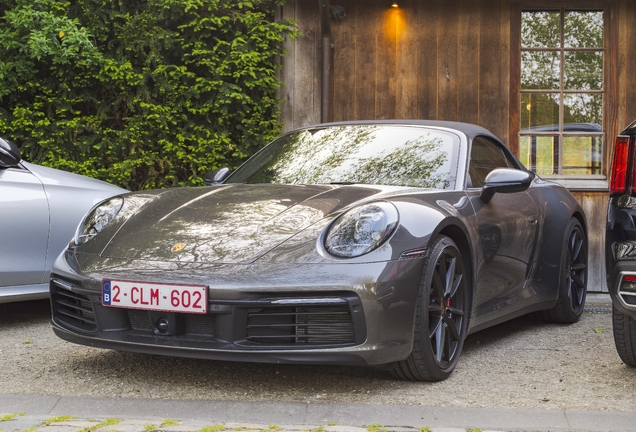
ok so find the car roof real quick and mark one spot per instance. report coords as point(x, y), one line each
point(469, 129)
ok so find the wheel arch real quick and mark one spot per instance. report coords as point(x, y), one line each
point(552, 240)
point(578, 214)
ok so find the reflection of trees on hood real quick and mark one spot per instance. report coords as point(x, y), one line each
point(417, 163)
point(240, 230)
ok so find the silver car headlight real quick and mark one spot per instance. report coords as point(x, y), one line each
point(96, 219)
point(361, 230)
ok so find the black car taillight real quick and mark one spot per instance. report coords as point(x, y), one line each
point(622, 172)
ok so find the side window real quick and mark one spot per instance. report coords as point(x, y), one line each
point(485, 156)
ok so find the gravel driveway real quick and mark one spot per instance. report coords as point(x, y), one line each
point(519, 364)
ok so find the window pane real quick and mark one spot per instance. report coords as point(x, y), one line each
point(584, 29)
point(582, 155)
point(539, 112)
point(583, 70)
point(540, 153)
point(583, 108)
point(540, 29)
point(540, 70)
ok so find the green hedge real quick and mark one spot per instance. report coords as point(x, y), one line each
point(144, 93)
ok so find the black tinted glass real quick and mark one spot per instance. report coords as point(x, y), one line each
point(485, 156)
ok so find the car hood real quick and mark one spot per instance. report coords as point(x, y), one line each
point(53, 178)
point(231, 223)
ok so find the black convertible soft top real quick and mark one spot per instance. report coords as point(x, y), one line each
point(471, 130)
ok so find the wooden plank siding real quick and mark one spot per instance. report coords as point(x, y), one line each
point(452, 60)
point(427, 59)
point(301, 67)
point(595, 206)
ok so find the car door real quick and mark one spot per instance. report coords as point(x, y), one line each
point(507, 230)
point(24, 213)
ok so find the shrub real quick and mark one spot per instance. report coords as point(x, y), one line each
point(144, 94)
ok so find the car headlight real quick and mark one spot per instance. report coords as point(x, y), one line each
point(361, 230)
point(96, 219)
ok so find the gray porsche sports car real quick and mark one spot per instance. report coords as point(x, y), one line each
point(40, 208)
point(363, 243)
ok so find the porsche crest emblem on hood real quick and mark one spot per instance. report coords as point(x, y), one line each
point(178, 247)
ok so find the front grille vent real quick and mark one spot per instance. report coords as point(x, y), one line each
point(192, 324)
point(199, 325)
point(139, 320)
point(301, 325)
point(71, 308)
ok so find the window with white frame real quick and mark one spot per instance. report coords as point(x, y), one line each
point(562, 91)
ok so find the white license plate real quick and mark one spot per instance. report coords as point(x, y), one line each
point(155, 296)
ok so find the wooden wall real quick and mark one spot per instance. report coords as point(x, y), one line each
point(427, 59)
point(444, 60)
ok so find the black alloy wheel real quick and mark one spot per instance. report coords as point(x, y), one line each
point(576, 280)
point(573, 276)
point(441, 316)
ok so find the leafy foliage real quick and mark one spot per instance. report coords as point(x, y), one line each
point(144, 94)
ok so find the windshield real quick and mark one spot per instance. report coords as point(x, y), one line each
point(369, 154)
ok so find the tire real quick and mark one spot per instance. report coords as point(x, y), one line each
point(441, 319)
point(624, 336)
point(572, 277)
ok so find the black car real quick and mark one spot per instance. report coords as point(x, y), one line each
point(620, 244)
point(363, 243)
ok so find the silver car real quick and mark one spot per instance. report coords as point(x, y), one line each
point(39, 208)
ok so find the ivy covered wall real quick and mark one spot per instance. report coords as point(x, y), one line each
point(145, 93)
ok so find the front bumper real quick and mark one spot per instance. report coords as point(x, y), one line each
point(303, 313)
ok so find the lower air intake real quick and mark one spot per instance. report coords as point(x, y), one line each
point(301, 325)
point(71, 308)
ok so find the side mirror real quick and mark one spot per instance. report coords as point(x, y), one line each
point(505, 180)
point(9, 154)
point(216, 177)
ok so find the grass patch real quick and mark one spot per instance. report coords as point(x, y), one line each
point(107, 422)
point(215, 428)
point(376, 428)
point(10, 417)
point(164, 424)
point(59, 419)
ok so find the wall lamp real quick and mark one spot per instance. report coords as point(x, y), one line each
point(337, 12)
